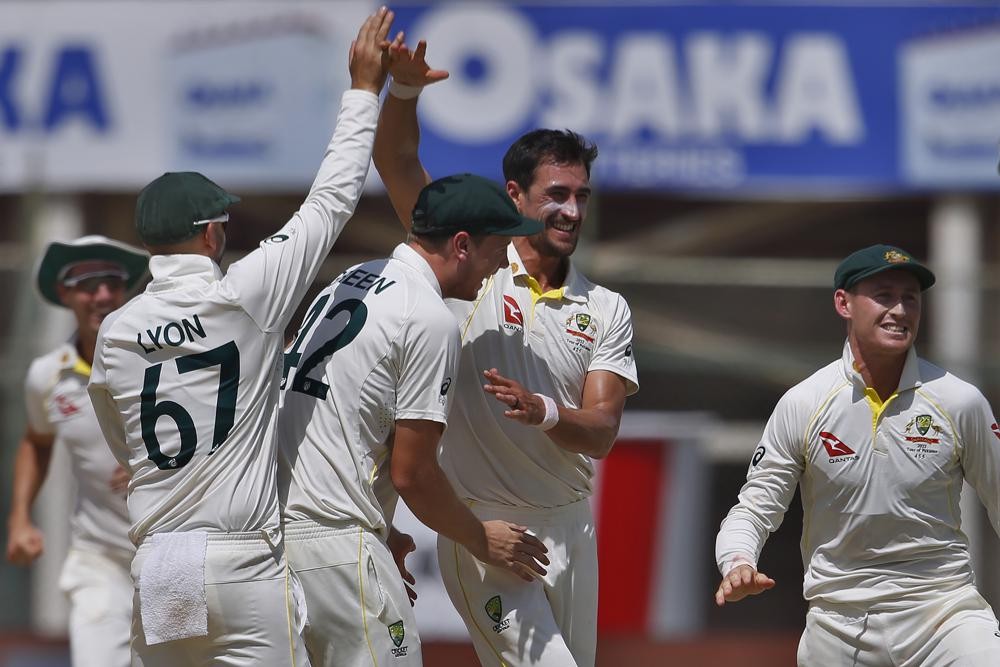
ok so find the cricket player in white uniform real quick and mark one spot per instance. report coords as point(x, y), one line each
point(880, 442)
point(370, 381)
point(185, 385)
point(555, 352)
point(92, 277)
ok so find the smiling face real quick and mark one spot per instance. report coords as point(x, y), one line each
point(557, 196)
point(883, 312)
point(95, 289)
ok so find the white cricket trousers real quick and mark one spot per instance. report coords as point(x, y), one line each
point(99, 588)
point(957, 629)
point(253, 618)
point(358, 612)
point(549, 622)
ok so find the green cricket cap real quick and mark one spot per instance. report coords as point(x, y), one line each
point(469, 203)
point(875, 259)
point(60, 257)
point(172, 207)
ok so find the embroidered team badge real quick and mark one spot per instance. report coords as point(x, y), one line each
point(895, 257)
point(396, 633)
point(494, 609)
point(924, 425)
point(581, 331)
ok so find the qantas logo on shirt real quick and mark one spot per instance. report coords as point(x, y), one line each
point(835, 447)
point(65, 405)
point(996, 430)
point(512, 313)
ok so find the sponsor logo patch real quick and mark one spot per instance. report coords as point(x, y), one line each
point(758, 454)
point(65, 405)
point(996, 430)
point(513, 318)
point(837, 449)
point(494, 609)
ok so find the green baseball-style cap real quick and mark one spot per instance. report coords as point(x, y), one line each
point(875, 259)
point(172, 207)
point(469, 203)
point(60, 257)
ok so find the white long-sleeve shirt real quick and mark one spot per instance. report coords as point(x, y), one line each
point(880, 481)
point(185, 377)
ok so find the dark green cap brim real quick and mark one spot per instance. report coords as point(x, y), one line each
point(58, 255)
point(876, 259)
point(470, 203)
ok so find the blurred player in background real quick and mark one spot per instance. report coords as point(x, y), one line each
point(185, 385)
point(880, 441)
point(365, 401)
point(91, 276)
point(537, 325)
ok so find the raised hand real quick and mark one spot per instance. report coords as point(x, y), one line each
point(522, 405)
point(410, 68)
point(741, 582)
point(369, 56)
point(511, 547)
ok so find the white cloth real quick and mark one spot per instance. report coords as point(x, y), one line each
point(880, 485)
point(185, 379)
point(57, 404)
point(359, 612)
point(389, 351)
point(172, 587)
point(252, 610)
point(549, 622)
point(549, 345)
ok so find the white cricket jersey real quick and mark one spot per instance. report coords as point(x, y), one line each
point(547, 342)
point(377, 345)
point(57, 404)
point(185, 379)
point(880, 483)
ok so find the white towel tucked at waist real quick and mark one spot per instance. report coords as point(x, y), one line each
point(172, 602)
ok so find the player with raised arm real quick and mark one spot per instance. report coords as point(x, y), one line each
point(185, 386)
point(370, 380)
point(92, 277)
point(880, 442)
point(555, 351)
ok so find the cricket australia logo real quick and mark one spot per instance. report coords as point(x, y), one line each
point(494, 608)
point(396, 634)
point(924, 424)
point(581, 330)
point(895, 257)
point(837, 449)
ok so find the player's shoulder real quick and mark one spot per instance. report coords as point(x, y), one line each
point(817, 388)
point(604, 300)
point(45, 367)
point(946, 388)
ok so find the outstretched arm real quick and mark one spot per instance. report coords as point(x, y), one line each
point(397, 139)
point(426, 491)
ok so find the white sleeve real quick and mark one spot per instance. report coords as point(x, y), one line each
point(37, 384)
point(270, 282)
point(775, 470)
point(614, 352)
point(431, 349)
point(980, 454)
point(108, 415)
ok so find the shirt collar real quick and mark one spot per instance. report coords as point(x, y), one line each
point(407, 255)
point(574, 287)
point(172, 271)
point(70, 359)
point(908, 379)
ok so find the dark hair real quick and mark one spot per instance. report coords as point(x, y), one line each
point(545, 147)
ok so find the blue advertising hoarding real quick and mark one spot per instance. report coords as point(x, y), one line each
point(754, 99)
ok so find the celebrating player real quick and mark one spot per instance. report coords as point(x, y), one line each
point(556, 353)
point(185, 387)
point(369, 384)
point(880, 441)
point(91, 276)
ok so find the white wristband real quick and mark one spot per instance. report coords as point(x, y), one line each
point(403, 91)
point(551, 413)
